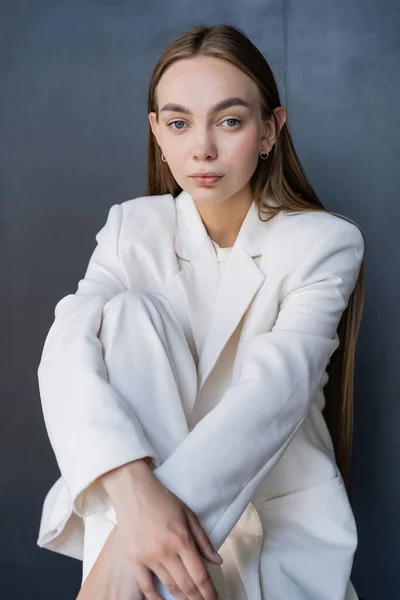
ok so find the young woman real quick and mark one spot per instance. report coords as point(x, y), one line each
point(184, 384)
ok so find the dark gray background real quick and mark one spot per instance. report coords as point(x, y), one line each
point(73, 127)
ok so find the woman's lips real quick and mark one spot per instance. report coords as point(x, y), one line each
point(207, 180)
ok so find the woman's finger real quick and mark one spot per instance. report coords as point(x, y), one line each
point(144, 578)
point(166, 584)
point(197, 571)
point(187, 589)
point(202, 540)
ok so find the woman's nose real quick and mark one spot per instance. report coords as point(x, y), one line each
point(205, 146)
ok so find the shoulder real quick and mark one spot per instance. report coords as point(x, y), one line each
point(296, 234)
point(139, 218)
point(145, 210)
point(309, 227)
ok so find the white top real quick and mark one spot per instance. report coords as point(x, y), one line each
point(219, 379)
point(222, 255)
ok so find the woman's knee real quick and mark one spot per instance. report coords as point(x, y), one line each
point(136, 299)
point(139, 305)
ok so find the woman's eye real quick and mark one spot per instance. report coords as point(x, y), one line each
point(231, 119)
point(180, 124)
point(174, 123)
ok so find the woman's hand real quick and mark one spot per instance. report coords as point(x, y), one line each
point(160, 534)
point(111, 577)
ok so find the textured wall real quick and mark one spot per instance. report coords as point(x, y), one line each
point(73, 123)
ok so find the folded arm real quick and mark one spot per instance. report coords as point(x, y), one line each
point(215, 470)
point(219, 465)
point(89, 424)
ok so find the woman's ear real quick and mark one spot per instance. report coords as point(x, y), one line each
point(281, 115)
point(272, 127)
point(154, 125)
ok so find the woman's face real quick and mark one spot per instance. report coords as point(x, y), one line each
point(195, 135)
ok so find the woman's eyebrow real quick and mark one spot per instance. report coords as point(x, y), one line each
point(227, 103)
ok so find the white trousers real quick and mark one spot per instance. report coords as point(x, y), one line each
point(145, 348)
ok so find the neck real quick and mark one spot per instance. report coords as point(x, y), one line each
point(223, 220)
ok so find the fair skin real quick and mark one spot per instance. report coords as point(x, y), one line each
point(156, 531)
point(207, 141)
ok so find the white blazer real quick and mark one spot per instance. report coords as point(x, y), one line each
point(259, 470)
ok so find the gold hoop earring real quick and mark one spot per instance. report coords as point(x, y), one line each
point(264, 157)
point(163, 157)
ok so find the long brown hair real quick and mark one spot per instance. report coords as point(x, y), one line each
point(281, 176)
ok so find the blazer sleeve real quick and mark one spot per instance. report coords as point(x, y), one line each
point(91, 428)
point(217, 468)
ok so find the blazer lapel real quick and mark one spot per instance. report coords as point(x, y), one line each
point(200, 278)
point(239, 284)
point(216, 305)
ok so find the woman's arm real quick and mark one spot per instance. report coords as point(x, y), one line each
point(156, 534)
point(112, 576)
point(218, 467)
point(91, 428)
point(93, 432)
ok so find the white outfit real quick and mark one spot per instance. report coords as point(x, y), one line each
point(233, 419)
point(222, 255)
